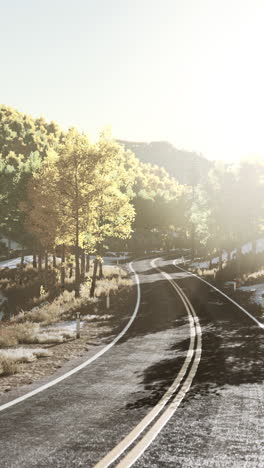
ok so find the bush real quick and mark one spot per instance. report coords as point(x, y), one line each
point(66, 305)
point(8, 367)
point(22, 286)
point(9, 359)
point(256, 277)
point(7, 340)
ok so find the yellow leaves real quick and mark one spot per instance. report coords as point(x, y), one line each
point(81, 191)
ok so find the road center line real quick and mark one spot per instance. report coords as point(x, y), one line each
point(146, 421)
point(152, 433)
point(88, 361)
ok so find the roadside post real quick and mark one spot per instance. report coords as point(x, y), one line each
point(235, 285)
point(78, 334)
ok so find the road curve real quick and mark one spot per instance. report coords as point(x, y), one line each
point(86, 362)
point(219, 422)
point(175, 393)
point(77, 421)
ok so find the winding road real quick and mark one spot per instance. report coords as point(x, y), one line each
point(180, 385)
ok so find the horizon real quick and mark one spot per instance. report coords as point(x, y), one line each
point(94, 136)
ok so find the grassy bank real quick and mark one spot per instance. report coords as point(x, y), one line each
point(45, 326)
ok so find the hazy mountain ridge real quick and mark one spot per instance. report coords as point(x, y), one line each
point(181, 164)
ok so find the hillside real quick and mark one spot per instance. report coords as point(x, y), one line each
point(183, 165)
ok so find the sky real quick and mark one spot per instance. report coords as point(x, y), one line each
point(187, 71)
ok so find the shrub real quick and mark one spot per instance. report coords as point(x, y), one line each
point(7, 340)
point(18, 355)
point(256, 277)
point(66, 305)
point(25, 331)
point(47, 338)
point(9, 359)
point(8, 367)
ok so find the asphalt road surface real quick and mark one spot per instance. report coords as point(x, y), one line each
point(208, 362)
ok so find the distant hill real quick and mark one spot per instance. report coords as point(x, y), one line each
point(183, 165)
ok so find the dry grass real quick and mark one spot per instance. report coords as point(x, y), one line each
point(206, 272)
point(91, 318)
point(25, 327)
point(52, 336)
point(30, 333)
point(229, 274)
point(49, 313)
point(24, 354)
point(256, 277)
point(11, 358)
point(7, 339)
point(38, 300)
point(15, 334)
point(8, 367)
point(67, 305)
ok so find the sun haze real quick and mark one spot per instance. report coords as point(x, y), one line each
point(189, 71)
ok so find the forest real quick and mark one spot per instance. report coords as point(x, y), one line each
point(63, 195)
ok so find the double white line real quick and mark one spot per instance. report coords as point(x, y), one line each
point(180, 385)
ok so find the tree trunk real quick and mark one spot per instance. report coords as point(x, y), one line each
point(77, 264)
point(46, 261)
point(192, 242)
point(238, 261)
point(40, 261)
point(94, 278)
point(101, 275)
point(192, 226)
point(100, 261)
point(82, 265)
point(22, 256)
point(254, 256)
point(63, 266)
point(220, 260)
point(54, 260)
point(87, 263)
point(34, 260)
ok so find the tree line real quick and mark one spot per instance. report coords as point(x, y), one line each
point(62, 194)
point(228, 208)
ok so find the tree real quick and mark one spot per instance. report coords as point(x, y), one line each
point(24, 142)
point(74, 193)
point(158, 205)
point(15, 172)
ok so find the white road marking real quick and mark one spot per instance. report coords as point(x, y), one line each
point(86, 363)
point(261, 325)
point(146, 421)
point(152, 433)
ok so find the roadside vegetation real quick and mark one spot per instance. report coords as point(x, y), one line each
point(251, 269)
point(49, 324)
point(64, 199)
point(228, 213)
